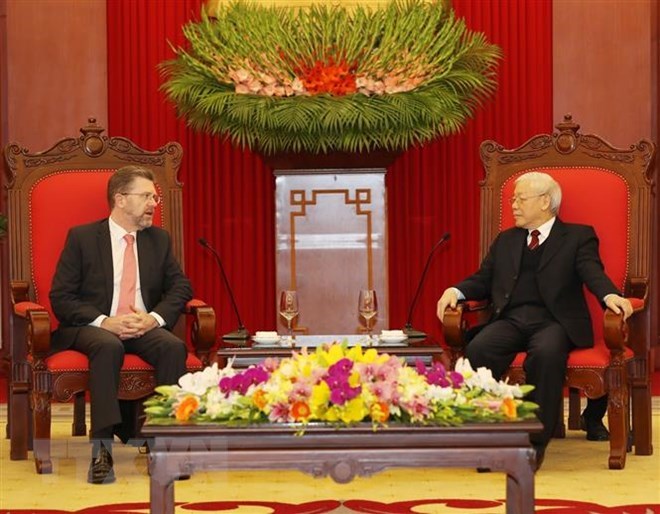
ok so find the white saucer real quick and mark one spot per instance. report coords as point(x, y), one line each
point(385, 340)
point(266, 341)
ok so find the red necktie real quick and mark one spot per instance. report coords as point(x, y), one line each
point(128, 278)
point(534, 242)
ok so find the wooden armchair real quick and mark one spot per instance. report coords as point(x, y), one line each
point(48, 193)
point(610, 189)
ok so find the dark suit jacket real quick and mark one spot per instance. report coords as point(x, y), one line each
point(83, 281)
point(570, 259)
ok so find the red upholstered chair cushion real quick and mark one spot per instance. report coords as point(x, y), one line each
point(70, 360)
point(596, 357)
point(607, 210)
point(50, 220)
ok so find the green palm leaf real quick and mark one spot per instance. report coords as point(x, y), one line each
point(325, 78)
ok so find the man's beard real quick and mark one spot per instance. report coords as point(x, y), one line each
point(145, 221)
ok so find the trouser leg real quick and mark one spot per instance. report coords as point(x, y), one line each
point(495, 347)
point(105, 353)
point(545, 368)
point(164, 351)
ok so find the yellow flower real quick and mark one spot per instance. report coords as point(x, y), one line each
point(354, 410)
point(354, 379)
point(379, 412)
point(320, 398)
point(333, 354)
point(355, 353)
point(259, 399)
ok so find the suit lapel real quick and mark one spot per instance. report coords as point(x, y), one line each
point(553, 243)
point(516, 248)
point(105, 251)
point(145, 257)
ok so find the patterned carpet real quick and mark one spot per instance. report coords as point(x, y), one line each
point(574, 479)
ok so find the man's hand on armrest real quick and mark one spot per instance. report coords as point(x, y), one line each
point(618, 305)
point(448, 299)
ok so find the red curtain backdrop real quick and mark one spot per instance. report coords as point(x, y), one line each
point(229, 192)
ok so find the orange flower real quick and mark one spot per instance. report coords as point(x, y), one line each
point(186, 408)
point(509, 408)
point(329, 77)
point(300, 411)
point(259, 399)
point(380, 412)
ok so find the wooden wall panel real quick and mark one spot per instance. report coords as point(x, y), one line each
point(56, 68)
point(602, 70)
point(605, 73)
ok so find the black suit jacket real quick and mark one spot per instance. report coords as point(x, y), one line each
point(570, 259)
point(83, 282)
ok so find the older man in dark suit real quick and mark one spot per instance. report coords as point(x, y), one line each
point(533, 274)
point(118, 289)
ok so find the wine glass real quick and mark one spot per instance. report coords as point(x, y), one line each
point(289, 308)
point(368, 307)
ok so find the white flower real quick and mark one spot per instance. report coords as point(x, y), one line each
point(482, 378)
point(199, 382)
point(440, 394)
point(219, 406)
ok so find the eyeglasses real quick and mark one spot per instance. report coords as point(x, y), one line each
point(523, 199)
point(145, 196)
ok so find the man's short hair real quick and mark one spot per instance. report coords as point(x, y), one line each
point(121, 180)
point(542, 183)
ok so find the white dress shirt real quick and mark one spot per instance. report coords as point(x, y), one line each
point(119, 244)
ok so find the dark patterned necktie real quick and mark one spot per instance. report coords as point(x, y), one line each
point(534, 242)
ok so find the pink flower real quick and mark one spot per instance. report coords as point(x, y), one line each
point(279, 413)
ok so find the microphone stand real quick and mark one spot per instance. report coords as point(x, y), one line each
point(241, 333)
point(408, 329)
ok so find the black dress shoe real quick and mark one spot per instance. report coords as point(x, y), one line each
point(594, 428)
point(100, 469)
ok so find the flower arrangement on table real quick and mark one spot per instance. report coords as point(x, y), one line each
point(339, 385)
point(330, 78)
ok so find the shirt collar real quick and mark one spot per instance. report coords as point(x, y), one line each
point(117, 232)
point(544, 229)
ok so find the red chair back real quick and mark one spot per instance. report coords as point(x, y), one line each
point(56, 203)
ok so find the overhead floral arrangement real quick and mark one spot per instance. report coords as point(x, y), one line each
point(342, 386)
point(327, 78)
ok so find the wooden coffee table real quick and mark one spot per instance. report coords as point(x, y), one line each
point(426, 350)
point(342, 453)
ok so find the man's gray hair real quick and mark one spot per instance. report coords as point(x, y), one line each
point(542, 183)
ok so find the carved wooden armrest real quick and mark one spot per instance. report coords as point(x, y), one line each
point(203, 328)
point(617, 333)
point(33, 322)
point(457, 321)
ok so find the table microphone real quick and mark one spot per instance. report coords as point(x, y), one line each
point(240, 334)
point(408, 330)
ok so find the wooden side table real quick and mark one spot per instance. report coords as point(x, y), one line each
point(342, 453)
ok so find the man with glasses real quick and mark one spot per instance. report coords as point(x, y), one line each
point(533, 274)
point(118, 289)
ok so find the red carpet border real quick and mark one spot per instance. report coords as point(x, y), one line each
point(360, 506)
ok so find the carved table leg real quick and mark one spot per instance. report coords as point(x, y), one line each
point(161, 485)
point(520, 483)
